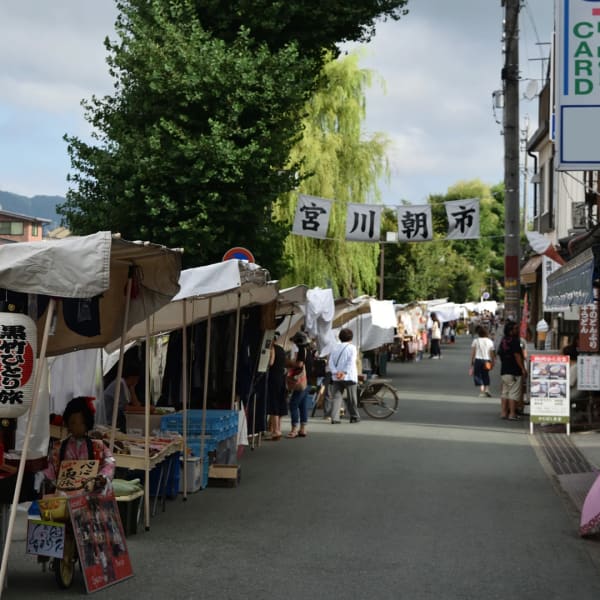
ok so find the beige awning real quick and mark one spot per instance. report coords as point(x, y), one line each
point(529, 269)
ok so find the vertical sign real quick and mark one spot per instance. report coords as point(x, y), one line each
point(577, 85)
point(588, 328)
point(18, 340)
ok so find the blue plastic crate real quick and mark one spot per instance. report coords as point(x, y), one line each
point(219, 422)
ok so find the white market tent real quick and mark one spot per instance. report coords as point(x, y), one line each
point(131, 279)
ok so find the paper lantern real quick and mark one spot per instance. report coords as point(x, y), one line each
point(18, 340)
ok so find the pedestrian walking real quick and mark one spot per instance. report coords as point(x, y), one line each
point(300, 363)
point(277, 394)
point(483, 358)
point(512, 371)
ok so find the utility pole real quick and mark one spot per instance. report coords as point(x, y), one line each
point(510, 80)
point(524, 139)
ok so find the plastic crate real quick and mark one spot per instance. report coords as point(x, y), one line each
point(219, 423)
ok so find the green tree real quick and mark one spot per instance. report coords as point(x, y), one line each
point(339, 163)
point(193, 144)
point(192, 149)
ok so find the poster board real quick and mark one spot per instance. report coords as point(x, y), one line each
point(549, 389)
point(100, 540)
point(45, 538)
point(588, 372)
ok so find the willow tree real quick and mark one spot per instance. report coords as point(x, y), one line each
point(340, 163)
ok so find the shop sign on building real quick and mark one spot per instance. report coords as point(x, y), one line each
point(18, 340)
point(588, 328)
point(577, 85)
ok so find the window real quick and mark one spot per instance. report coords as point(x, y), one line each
point(34, 229)
point(11, 227)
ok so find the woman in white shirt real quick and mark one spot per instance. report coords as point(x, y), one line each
point(344, 377)
point(482, 353)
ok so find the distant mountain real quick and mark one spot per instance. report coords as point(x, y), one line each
point(38, 206)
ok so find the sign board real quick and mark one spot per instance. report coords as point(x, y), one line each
point(18, 341)
point(577, 85)
point(549, 392)
point(45, 538)
point(74, 474)
point(239, 253)
point(588, 340)
point(100, 540)
point(588, 372)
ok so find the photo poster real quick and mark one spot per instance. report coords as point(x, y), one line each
point(100, 540)
point(549, 393)
point(45, 538)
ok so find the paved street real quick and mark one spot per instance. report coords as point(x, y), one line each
point(444, 500)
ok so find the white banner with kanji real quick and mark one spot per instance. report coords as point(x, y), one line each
point(363, 222)
point(312, 216)
point(463, 219)
point(415, 223)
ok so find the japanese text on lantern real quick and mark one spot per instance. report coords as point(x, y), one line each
point(588, 328)
point(13, 342)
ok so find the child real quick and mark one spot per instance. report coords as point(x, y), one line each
point(79, 420)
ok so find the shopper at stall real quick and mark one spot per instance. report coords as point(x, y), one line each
point(299, 367)
point(483, 358)
point(344, 377)
point(128, 397)
point(78, 417)
point(277, 395)
point(512, 371)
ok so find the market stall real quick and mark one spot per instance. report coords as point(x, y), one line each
point(207, 292)
point(82, 292)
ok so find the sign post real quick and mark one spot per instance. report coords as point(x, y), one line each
point(578, 85)
point(240, 253)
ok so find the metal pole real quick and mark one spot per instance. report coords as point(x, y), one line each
point(510, 78)
point(381, 268)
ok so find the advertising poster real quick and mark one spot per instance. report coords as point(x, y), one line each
point(588, 372)
point(549, 389)
point(100, 540)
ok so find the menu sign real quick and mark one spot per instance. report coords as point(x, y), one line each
point(549, 389)
point(588, 372)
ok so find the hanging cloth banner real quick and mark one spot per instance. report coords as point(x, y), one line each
point(312, 216)
point(363, 222)
point(463, 219)
point(415, 223)
point(18, 340)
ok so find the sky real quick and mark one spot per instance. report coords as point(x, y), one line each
point(435, 71)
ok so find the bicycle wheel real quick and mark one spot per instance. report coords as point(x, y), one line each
point(64, 568)
point(379, 400)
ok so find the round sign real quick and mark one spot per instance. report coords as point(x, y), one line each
point(486, 295)
point(239, 253)
point(18, 340)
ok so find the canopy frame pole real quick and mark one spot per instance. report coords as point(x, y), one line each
point(147, 401)
point(25, 449)
point(236, 348)
point(184, 392)
point(205, 392)
point(117, 397)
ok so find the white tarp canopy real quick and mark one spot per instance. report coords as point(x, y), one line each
point(448, 312)
point(367, 336)
point(226, 283)
point(97, 265)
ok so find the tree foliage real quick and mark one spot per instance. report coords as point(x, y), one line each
point(339, 163)
point(460, 270)
point(193, 147)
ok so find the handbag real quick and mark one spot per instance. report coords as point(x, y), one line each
point(295, 379)
point(487, 365)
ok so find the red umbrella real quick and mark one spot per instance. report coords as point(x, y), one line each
point(590, 513)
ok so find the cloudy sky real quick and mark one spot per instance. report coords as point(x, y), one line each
point(439, 65)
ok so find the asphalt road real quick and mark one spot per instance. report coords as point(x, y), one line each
point(444, 500)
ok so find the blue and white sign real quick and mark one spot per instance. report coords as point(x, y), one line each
point(577, 85)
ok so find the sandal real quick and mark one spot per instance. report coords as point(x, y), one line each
point(302, 434)
point(292, 434)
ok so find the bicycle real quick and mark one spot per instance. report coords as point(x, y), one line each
point(377, 397)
